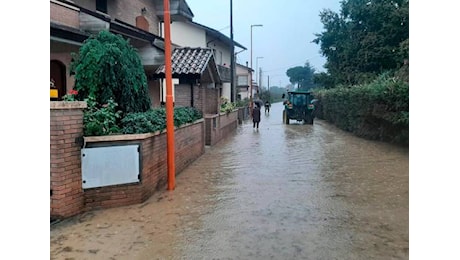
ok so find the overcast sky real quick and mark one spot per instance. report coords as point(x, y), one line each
point(284, 41)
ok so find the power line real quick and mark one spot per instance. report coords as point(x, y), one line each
point(226, 27)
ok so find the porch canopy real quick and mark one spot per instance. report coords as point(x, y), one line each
point(192, 63)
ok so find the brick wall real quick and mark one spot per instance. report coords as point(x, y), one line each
point(189, 146)
point(66, 124)
point(212, 96)
point(189, 143)
point(199, 96)
point(228, 124)
point(64, 14)
point(68, 197)
point(219, 126)
point(182, 95)
point(182, 98)
point(127, 11)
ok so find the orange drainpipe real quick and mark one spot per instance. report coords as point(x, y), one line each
point(169, 99)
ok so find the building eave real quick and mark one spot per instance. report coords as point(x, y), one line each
point(59, 31)
point(218, 35)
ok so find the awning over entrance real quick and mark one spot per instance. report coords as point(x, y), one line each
point(191, 63)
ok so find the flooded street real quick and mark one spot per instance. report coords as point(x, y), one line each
point(281, 192)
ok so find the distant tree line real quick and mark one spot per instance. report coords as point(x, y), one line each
point(363, 40)
point(274, 94)
point(366, 87)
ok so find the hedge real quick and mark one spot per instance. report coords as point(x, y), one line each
point(378, 110)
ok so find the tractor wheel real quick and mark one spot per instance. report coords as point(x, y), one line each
point(285, 118)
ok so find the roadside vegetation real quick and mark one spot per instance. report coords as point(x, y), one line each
point(378, 110)
point(110, 77)
point(366, 87)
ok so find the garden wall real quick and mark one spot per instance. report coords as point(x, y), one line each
point(219, 126)
point(68, 198)
point(66, 127)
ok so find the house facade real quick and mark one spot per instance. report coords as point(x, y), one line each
point(72, 22)
point(140, 21)
point(243, 77)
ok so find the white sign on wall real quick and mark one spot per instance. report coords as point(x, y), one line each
point(110, 165)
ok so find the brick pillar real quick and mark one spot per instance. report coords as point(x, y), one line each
point(66, 124)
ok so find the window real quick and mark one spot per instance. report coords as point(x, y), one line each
point(101, 5)
point(242, 80)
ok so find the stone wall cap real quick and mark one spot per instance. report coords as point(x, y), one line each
point(129, 137)
point(68, 104)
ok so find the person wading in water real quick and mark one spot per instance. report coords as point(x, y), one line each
point(256, 116)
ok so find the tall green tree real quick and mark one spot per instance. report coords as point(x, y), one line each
point(324, 80)
point(366, 38)
point(302, 76)
point(108, 67)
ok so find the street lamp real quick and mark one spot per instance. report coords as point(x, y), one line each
point(250, 94)
point(257, 70)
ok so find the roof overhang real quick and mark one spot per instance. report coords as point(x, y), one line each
point(67, 34)
point(131, 31)
point(191, 63)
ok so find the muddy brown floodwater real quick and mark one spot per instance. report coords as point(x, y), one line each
point(281, 192)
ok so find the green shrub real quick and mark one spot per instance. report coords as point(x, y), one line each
point(108, 67)
point(100, 120)
point(186, 115)
point(155, 120)
point(226, 106)
point(378, 110)
point(242, 103)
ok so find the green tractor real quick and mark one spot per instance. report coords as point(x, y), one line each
point(299, 106)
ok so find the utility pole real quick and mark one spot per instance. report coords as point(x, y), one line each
point(232, 58)
point(251, 105)
point(260, 79)
point(169, 99)
point(268, 86)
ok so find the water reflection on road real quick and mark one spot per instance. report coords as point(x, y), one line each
point(280, 192)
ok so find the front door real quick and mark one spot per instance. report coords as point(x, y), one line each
point(58, 75)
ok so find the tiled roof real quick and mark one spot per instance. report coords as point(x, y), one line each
point(188, 61)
